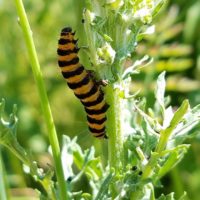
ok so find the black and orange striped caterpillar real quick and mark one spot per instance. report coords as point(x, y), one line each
point(82, 83)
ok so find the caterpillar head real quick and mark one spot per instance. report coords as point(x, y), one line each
point(67, 30)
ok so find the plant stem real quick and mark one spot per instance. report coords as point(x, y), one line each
point(3, 191)
point(114, 127)
point(43, 97)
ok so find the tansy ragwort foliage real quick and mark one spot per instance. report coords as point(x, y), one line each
point(143, 146)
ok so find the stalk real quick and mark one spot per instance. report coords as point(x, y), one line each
point(43, 97)
point(3, 191)
point(114, 127)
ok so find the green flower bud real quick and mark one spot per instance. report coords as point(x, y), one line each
point(115, 4)
point(106, 54)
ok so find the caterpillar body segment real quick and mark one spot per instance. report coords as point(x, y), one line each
point(82, 83)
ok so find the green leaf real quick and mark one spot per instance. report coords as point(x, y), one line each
point(160, 91)
point(178, 117)
point(87, 196)
point(174, 156)
point(104, 186)
point(179, 114)
point(183, 197)
point(8, 139)
point(167, 197)
point(158, 7)
point(191, 120)
point(166, 133)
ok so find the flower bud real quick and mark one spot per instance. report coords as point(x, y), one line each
point(115, 4)
point(106, 53)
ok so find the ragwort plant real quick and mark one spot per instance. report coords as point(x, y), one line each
point(143, 146)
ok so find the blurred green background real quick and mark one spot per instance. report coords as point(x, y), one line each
point(175, 47)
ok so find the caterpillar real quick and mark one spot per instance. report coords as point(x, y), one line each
point(82, 83)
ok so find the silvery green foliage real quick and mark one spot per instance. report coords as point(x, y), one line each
point(156, 143)
point(113, 29)
point(8, 139)
point(153, 146)
point(153, 141)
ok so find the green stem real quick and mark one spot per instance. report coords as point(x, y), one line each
point(164, 136)
point(114, 131)
point(90, 38)
point(3, 191)
point(162, 142)
point(114, 127)
point(43, 97)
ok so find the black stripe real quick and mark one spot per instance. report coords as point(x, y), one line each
point(96, 112)
point(100, 135)
point(96, 121)
point(84, 81)
point(93, 103)
point(62, 52)
point(70, 74)
point(92, 91)
point(94, 130)
point(74, 61)
point(64, 41)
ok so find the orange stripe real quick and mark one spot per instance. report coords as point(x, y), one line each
point(98, 116)
point(96, 126)
point(70, 68)
point(84, 89)
point(68, 46)
point(93, 97)
point(67, 57)
point(77, 78)
point(97, 106)
point(68, 37)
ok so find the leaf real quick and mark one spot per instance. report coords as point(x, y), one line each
point(67, 156)
point(183, 197)
point(158, 7)
point(191, 120)
point(178, 116)
point(175, 155)
point(160, 91)
point(87, 196)
point(104, 186)
point(8, 139)
point(167, 197)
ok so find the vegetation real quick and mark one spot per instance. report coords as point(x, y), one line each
point(141, 48)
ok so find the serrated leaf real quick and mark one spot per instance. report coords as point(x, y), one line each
point(8, 138)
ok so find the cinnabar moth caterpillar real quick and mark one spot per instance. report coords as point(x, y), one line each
point(82, 83)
